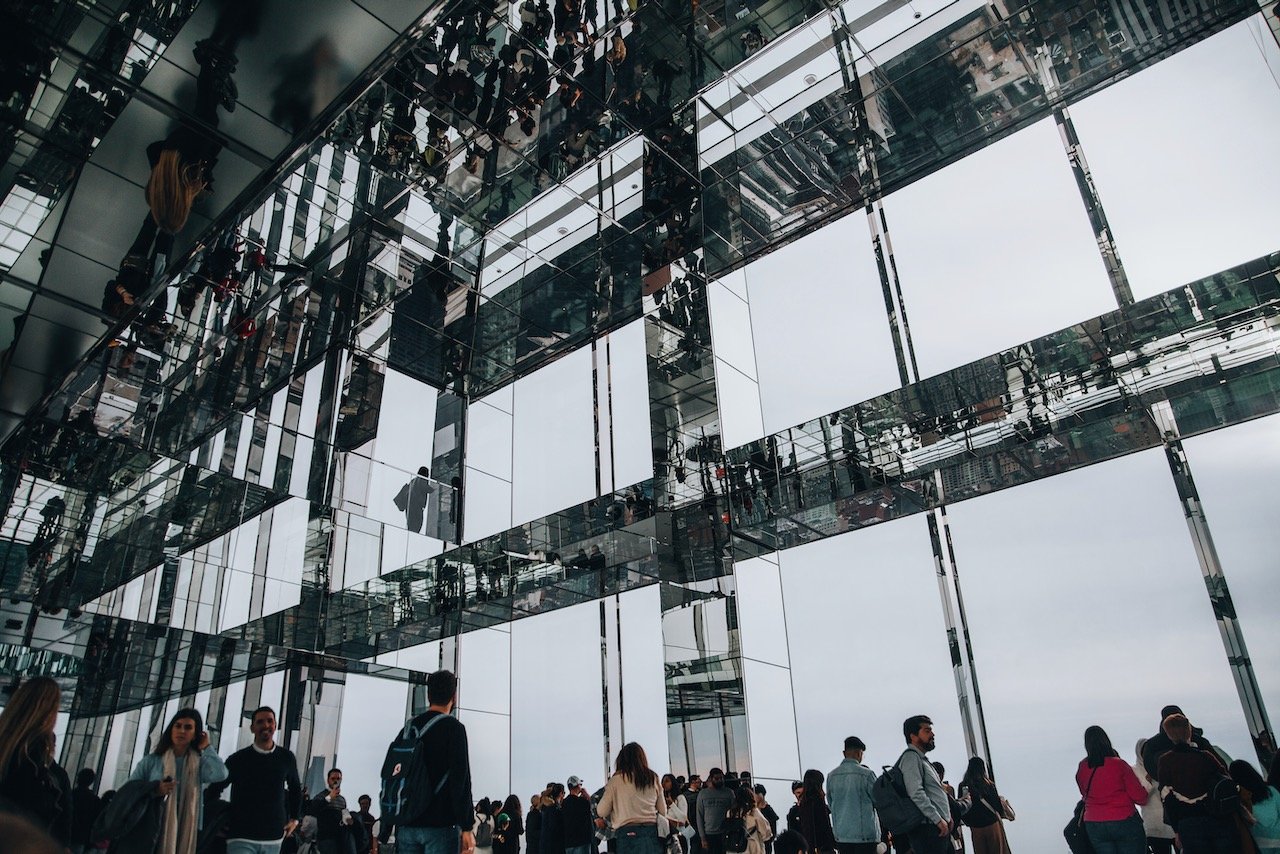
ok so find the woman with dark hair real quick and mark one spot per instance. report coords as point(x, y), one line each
point(30, 779)
point(814, 815)
point(484, 826)
point(506, 840)
point(985, 817)
point(1111, 793)
point(552, 841)
point(181, 765)
point(632, 802)
point(755, 825)
point(1263, 802)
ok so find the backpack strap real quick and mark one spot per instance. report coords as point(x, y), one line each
point(428, 725)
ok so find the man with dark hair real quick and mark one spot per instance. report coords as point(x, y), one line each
point(85, 806)
point(1186, 776)
point(924, 788)
point(579, 828)
point(265, 791)
point(713, 806)
point(853, 817)
point(367, 821)
point(1160, 743)
point(443, 823)
point(336, 830)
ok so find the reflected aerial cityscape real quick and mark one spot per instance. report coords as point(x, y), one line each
point(344, 347)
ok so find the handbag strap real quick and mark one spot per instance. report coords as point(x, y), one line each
point(1085, 799)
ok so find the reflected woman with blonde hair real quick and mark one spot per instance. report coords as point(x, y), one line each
point(30, 779)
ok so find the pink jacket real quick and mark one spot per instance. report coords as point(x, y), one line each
point(1114, 792)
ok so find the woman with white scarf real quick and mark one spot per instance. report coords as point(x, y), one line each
point(181, 766)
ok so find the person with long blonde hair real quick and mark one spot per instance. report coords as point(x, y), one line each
point(31, 780)
point(632, 802)
point(181, 766)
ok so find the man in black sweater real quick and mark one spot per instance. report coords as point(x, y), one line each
point(579, 828)
point(443, 824)
point(265, 791)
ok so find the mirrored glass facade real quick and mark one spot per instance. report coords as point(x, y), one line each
point(726, 376)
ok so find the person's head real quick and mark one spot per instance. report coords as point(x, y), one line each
point(172, 190)
point(365, 803)
point(812, 786)
point(633, 765)
point(85, 778)
point(918, 731)
point(715, 778)
point(797, 788)
point(940, 770)
point(976, 772)
point(761, 790)
point(29, 717)
point(1169, 710)
point(790, 842)
point(555, 792)
point(854, 748)
point(333, 779)
point(1248, 778)
point(424, 471)
point(1177, 728)
point(1097, 746)
point(668, 782)
point(484, 808)
point(263, 726)
point(744, 800)
point(535, 802)
point(442, 688)
point(502, 820)
point(695, 782)
point(182, 733)
point(511, 806)
point(575, 785)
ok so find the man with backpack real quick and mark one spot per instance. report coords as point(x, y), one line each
point(924, 789)
point(1200, 800)
point(426, 778)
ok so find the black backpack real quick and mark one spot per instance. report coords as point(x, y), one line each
point(898, 813)
point(1224, 797)
point(407, 789)
point(735, 835)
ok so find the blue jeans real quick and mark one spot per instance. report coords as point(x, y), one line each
point(638, 839)
point(1117, 837)
point(253, 846)
point(428, 840)
point(1208, 835)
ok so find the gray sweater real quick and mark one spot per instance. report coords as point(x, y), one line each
point(713, 805)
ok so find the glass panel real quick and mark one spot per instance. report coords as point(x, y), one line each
point(1115, 609)
point(1173, 222)
point(373, 710)
point(554, 456)
point(643, 687)
point(1013, 256)
point(868, 605)
point(628, 386)
point(1235, 470)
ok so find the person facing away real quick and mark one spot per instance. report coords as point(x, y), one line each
point(31, 781)
point(632, 803)
point(815, 818)
point(552, 820)
point(985, 816)
point(85, 806)
point(1186, 775)
point(924, 788)
point(1111, 792)
point(1159, 834)
point(1263, 804)
point(445, 822)
point(533, 826)
point(756, 826)
point(579, 829)
point(181, 765)
point(1159, 744)
point(266, 794)
point(713, 804)
point(853, 817)
point(484, 826)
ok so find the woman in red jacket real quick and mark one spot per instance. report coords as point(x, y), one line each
point(1111, 794)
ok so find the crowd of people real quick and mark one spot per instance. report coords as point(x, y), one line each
point(1180, 794)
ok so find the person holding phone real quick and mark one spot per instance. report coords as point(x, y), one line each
point(181, 766)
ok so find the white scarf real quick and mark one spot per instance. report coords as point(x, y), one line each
point(180, 809)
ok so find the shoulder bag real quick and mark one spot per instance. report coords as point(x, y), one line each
point(1077, 839)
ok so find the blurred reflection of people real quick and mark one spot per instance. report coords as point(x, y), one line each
point(413, 498)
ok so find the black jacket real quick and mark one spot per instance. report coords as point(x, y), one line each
point(579, 829)
point(85, 806)
point(40, 792)
point(552, 830)
point(132, 820)
point(445, 746)
point(1160, 744)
